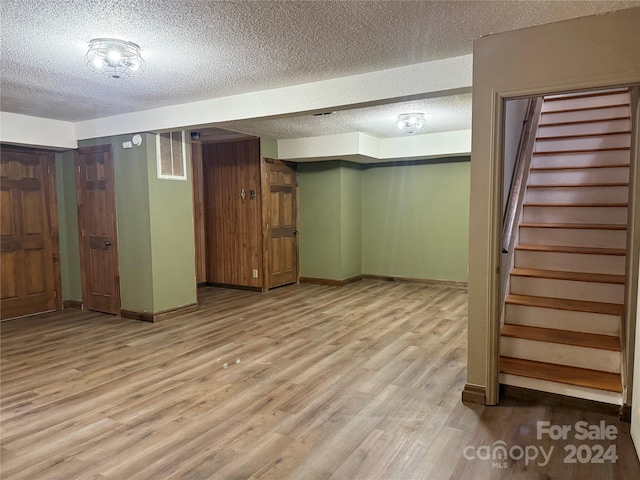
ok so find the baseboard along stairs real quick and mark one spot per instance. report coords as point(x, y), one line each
point(563, 313)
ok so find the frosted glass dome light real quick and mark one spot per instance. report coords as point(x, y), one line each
point(411, 122)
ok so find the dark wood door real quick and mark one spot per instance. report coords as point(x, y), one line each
point(232, 213)
point(97, 225)
point(281, 241)
point(29, 245)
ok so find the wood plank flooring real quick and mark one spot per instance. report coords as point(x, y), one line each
point(356, 382)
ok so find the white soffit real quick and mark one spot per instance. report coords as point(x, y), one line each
point(362, 148)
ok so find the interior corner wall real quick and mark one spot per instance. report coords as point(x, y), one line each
point(406, 220)
point(415, 219)
point(133, 220)
point(68, 226)
point(583, 53)
point(172, 235)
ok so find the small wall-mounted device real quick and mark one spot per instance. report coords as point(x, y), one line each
point(135, 140)
point(195, 135)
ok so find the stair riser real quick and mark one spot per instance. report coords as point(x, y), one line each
point(570, 262)
point(573, 237)
point(585, 128)
point(579, 176)
point(587, 159)
point(560, 354)
point(602, 396)
point(598, 114)
point(572, 195)
point(585, 143)
point(553, 214)
point(562, 319)
point(585, 102)
point(570, 289)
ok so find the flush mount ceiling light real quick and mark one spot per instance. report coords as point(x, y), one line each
point(411, 122)
point(114, 58)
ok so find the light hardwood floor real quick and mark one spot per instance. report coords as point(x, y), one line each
point(355, 382)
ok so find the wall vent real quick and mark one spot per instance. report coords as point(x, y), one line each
point(172, 155)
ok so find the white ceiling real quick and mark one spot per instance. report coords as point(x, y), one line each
point(201, 49)
point(443, 114)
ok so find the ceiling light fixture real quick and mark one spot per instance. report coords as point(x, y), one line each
point(411, 122)
point(114, 58)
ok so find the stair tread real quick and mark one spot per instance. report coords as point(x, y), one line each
point(579, 167)
point(579, 185)
point(575, 276)
point(594, 204)
point(564, 337)
point(565, 304)
point(581, 377)
point(582, 226)
point(568, 249)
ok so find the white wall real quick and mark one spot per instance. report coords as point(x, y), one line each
point(35, 131)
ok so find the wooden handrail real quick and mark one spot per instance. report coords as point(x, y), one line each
point(520, 174)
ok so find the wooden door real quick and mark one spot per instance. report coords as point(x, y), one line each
point(97, 225)
point(232, 211)
point(29, 246)
point(280, 203)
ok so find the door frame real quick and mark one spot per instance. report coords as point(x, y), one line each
point(110, 177)
point(51, 197)
point(492, 299)
point(265, 188)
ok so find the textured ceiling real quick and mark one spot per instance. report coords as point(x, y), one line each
point(443, 114)
point(204, 49)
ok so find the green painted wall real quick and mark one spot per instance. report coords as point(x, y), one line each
point(268, 147)
point(132, 213)
point(155, 229)
point(68, 226)
point(319, 213)
point(350, 220)
point(407, 220)
point(415, 220)
point(172, 236)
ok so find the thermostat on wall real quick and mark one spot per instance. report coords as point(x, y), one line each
point(137, 140)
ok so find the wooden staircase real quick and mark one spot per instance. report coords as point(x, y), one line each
point(562, 317)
